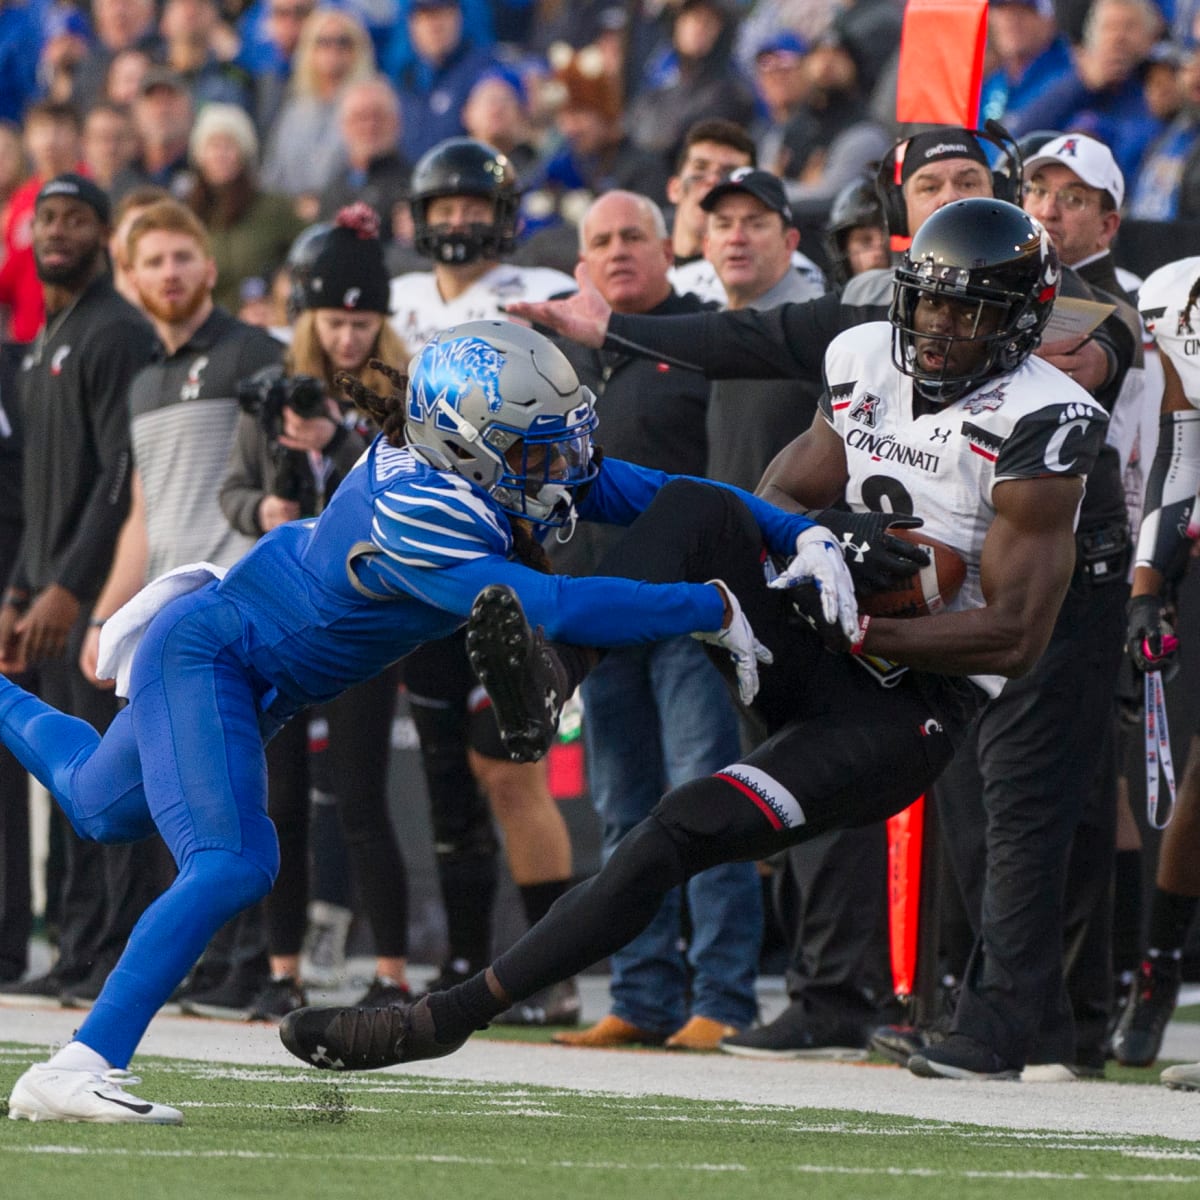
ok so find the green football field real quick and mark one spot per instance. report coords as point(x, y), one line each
point(268, 1131)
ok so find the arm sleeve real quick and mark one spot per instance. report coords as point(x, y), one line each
point(110, 361)
point(787, 342)
point(623, 491)
point(1163, 543)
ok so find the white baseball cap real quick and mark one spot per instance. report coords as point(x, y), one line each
point(1091, 160)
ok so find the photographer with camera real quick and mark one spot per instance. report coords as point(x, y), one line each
point(295, 444)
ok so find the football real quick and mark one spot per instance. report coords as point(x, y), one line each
point(926, 592)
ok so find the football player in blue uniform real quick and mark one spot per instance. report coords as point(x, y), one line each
point(941, 413)
point(499, 434)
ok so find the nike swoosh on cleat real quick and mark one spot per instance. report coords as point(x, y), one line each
point(143, 1109)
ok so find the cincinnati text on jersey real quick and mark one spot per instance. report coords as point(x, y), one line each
point(885, 448)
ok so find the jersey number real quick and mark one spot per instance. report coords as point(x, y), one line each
point(883, 494)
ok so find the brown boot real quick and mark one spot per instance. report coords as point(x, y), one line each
point(607, 1033)
point(701, 1033)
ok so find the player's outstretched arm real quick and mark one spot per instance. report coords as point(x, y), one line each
point(582, 316)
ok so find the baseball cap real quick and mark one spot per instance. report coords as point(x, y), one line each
point(938, 144)
point(1091, 160)
point(77, 188)
point(783, 42)
point(1043, 8)
point(750, 181)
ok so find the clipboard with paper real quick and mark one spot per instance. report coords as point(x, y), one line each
point(1072, 318)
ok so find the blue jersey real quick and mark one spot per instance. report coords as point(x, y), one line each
point(399, 556)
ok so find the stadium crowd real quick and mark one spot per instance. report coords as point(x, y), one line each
point(218, 216)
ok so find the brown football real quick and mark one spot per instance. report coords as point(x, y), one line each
point(928, 590)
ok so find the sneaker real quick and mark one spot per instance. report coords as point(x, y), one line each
point(1184, 1077)
point(276, 999)
point(324, 951)
point(230, 1000)
point(47, 1093)
point(43, 991)
point(1148, 1008)
point(518, 671)
point(898, 1043)
point(961, 1057)
point(384, 993)
point(558, 1004)
point(363, 1039)
point(793, 1034)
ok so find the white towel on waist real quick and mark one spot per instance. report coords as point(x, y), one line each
point(123, 631)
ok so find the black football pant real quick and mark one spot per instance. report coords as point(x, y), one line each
point(840, 749)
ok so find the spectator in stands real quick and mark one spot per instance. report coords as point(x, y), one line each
point(123, 81)
point(496, 113)
point(20, 40)
point(109, 141)
point(699, 78)
point(68, 38)
point(375, 172)
point(250, 229)
point(13, 165)
point(162, 114)
point(268, 47)
point(132, 205)
point(333, 51)
point(434, 85)
point(189, 28)
point(1167, 184)
point(1030, 54)
point(52, 142)
point(118, 25)
point(783, 83)
point(1104, 97)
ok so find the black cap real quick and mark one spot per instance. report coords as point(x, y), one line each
point(750, 181)
point(939, 144)
point(349, 271)
point(77, 188)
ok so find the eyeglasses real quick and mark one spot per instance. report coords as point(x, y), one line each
point(339, 41)
point(1069, 199)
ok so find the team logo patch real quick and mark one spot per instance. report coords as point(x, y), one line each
point(840, 393)
point(985, 401)
point(191, 385)
point(866, 410)
point(1070, 147)
point(449, 371)
point(60, 357)
point(1062, 450)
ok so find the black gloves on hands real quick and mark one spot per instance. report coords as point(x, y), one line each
point(877, 560)
point(1151, 638)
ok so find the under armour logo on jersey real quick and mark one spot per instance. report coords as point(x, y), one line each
point(866, 410)
point(60, 356)
point(940, 435)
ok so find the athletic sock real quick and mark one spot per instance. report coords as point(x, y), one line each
point(468, 887)
point(75, 1056)
point(1171, 916)
point(464, 1008)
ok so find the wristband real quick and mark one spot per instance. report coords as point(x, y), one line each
point(856, 647)
point(16, 597)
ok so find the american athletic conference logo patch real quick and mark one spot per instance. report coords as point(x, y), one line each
point(448, 371)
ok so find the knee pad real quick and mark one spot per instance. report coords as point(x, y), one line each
point(223, 881)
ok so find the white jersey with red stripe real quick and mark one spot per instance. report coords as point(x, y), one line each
point(1173, 322)
point(942, 463)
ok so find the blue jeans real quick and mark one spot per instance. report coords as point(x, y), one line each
point(655, 717)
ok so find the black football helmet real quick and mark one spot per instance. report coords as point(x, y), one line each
point(856, 206)
point(464, 167)
point(988, 253)
point(301, 257)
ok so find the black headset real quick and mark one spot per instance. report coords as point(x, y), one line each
point(1006, 179)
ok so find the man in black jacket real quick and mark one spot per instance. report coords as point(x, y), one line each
point(664, 697)
point(75, 388)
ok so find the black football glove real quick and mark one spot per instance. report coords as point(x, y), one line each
point(878, 562)
point(1150, 637)
point(804, 601)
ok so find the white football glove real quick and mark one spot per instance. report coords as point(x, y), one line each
point(743, 647)
point(819, 560)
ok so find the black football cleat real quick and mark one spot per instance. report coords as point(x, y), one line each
point(519, 672)
point(363, 1039)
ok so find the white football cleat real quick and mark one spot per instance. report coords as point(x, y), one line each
point(48, 1093)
